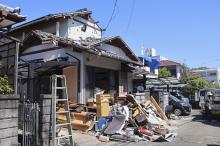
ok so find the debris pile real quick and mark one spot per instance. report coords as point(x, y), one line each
point(126, 120)
point(133, 122)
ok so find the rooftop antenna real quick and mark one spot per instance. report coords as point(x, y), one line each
point(143, 53)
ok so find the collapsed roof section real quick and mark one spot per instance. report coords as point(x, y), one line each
point(9, 16)
point(83, 13)
point(90, 45)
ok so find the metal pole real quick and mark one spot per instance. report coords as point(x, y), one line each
point(16, 69)
point(54, 82)
point(37, 122)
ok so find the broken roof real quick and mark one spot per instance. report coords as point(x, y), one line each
point(84, 13)
point(9, 16)
point(38, 37)
point(116, 41)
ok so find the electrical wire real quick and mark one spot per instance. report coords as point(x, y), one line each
point(130, 17)
point(115, 4)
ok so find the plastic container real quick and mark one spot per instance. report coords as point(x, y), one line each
point(146, 132)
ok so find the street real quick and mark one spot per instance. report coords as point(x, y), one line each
point(192, 130)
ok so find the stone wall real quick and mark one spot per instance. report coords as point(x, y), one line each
point(9, 120)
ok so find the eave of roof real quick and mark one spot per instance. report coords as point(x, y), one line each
point(14, 17)
point(112, 41)
point(168, 63)
point(44, 37)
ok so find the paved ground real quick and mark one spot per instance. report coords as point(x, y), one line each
point(192, 131)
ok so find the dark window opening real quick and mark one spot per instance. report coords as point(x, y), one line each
point(83, 28)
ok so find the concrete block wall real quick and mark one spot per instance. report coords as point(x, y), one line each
point(44, 119)
point(9, 120)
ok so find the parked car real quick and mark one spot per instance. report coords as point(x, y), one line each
point(179, 107)
point(180, 96)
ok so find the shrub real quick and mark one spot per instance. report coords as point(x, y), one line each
point(4, 86)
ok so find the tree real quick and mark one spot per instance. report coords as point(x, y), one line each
point(194, 83)
point(198, 82)
point(164, 72)
point(4, 86)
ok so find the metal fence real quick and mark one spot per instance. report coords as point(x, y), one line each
point(29, 121)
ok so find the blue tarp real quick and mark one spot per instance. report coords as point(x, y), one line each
point(146, 59)
point(152, 63)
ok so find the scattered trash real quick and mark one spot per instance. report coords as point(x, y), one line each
point(146, 132)
point(103, 138)
point(127, 121)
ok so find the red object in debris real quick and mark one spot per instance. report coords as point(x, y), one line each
point(146, 132)
point(103, 138)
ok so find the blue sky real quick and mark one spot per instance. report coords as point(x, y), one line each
point(187, 31)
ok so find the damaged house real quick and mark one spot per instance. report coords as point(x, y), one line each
point(72, 44)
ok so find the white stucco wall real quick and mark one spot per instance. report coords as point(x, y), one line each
point(178, 72)
point(101, 62)
point(212, 75)
point(49, 55)
point(113, 49)
point(63, 28)
point(75, 29)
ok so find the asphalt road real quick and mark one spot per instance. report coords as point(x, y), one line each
point(192, 131)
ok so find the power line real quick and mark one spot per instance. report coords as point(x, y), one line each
point(130, 17)
point(115, 4)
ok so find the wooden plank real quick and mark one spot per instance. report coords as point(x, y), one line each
point(147, 103)
point(102, 105)
point(159, 110)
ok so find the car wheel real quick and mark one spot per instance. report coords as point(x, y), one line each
point(177, 112)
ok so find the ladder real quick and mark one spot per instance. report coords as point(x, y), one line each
point(55, 101)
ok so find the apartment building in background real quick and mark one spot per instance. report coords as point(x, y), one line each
point(210, 74)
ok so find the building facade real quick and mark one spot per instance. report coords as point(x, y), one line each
point(72, 44)
point(175, 68)
point(212, 75)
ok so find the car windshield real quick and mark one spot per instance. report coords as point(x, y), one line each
point(174, 98)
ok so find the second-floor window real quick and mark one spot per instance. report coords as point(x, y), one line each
point(83, 28)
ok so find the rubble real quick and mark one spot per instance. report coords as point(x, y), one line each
point(126, 121)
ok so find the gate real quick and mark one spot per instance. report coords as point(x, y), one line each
point(29, 121)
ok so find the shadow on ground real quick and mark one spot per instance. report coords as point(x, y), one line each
point(213, 145)
point(214, 121)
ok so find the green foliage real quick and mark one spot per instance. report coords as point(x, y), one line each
point(217, 86)
point(4, 86)
point(164, 72)
point(195, 83)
